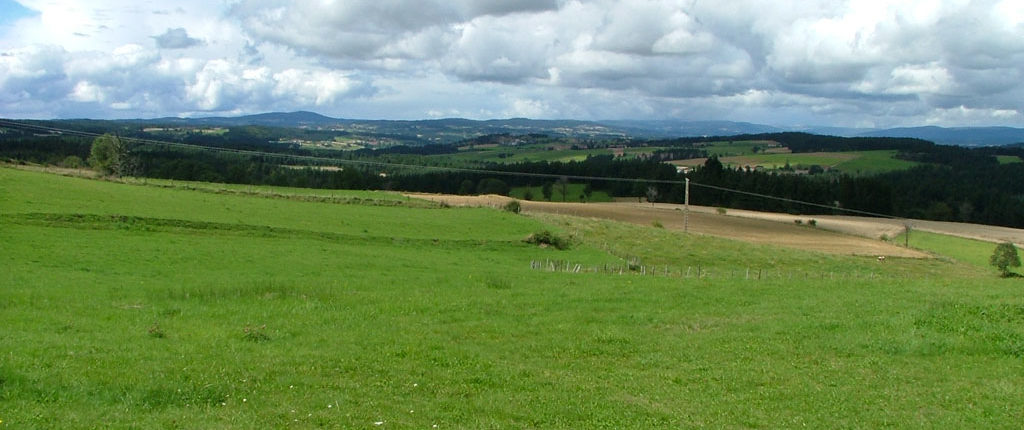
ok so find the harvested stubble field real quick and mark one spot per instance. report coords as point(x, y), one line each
point(829, 237)
point(141, 306)
point(836, 234)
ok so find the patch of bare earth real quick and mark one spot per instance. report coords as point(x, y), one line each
point(877, 227)
point(704, 220)
point(65, 171)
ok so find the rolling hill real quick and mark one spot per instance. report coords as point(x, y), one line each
point(159, 304)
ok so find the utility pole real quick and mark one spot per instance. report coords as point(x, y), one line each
point(906, 236)
point(686, 211)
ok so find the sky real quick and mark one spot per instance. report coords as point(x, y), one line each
point(840, 63)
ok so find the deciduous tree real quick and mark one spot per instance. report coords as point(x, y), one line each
point(112, 156)
point(1005, 257)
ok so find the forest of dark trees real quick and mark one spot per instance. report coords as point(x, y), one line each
point(953, 184)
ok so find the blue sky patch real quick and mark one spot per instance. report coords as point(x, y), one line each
point(11, 11)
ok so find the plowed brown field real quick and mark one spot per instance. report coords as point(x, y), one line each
point(833, 234)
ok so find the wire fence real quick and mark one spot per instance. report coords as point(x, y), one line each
point(699, 271)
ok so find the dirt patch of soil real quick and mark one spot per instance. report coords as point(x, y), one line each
point(65, 171)
point(704, 220)
point(875, 228)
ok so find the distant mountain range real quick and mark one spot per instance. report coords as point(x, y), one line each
point(962, 136)
point(451, 129)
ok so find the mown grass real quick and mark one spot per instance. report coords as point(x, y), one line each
point(573, 193)
point(34, 192)
point(776, 161)
point(874, 162)
point(854, 163)
point(533, 153)
point(1008, 159)
point(361, 197)
point(128, 306)
point(968, 251)
point(736, 148)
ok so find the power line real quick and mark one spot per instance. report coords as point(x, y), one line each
point(384, 164)
point(783, 199)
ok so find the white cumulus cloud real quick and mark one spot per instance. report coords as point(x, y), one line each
point(837, 62)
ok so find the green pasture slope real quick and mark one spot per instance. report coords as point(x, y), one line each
point(573, 193)
point(969, 251)
point(1008, 159)
point(853, 163)
point(140, 306)
point(875, 162)
point(734, 148)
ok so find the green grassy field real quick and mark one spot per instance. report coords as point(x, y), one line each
point(776, 161)
point(874, 162)
point(139, 306)
point(1008, 159)
point(854, 163)
point(969, 251)
point(736, 148)
point(573, 193)
point(304, 194)
point(507, 154)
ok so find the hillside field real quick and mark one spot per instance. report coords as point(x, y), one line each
point(540, 152)
point(573, 193)
point(161, 305)
point(852, 163)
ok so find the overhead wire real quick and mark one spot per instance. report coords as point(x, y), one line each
point(385, 164)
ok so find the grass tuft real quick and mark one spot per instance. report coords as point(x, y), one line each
point(156, 332)
point(255, 333)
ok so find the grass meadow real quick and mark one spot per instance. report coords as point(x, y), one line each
point(874, 162)
point(535, 153)
point(735, 148)
point(958, 249)
point(573, 193)
point(1008, 159)
point(145, 306)
point(852, 163)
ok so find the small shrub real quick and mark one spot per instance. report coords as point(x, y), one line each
point(72, 162)
point(721, 211)
point(156, 331)
point(812, 222)
point(657, 224)
point(884, 237)
point(798, 221)
point(513, 206)
point(547, 238)
point(255, 334)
